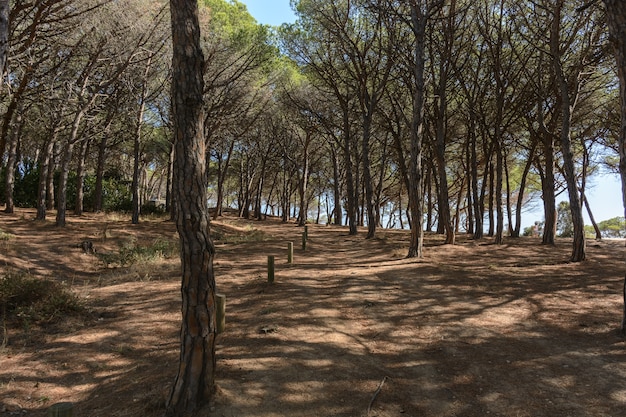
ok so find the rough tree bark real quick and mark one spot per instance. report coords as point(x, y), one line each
point(137, 142)
point(81, 173)
point(11, 166)
point(578, 249)
point(195, 381)
point(416, 180)
point(44, 163)
point(616, 16)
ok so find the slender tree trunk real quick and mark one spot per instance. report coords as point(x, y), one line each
point(482, 190)
point(499, 238)
point(195, 382)
point(415, 177)
point(445, 218)
point(52, 167)
point(469, 179)
point(65, 166)
point(367, 175)
point(44, 164)
point(170, 198)
point(137, 141)
point(478, 208)
point(427, 191)
point(80, 178)
point(221, 180)
point(350, 185)
point(304, 180)
point(522, 188)
point(99, 191)
point(578, 249)
point(509, 207)
point(63, 177)
point(336, 189)
point(596, 228)
point(492, 193)
point(9, 180)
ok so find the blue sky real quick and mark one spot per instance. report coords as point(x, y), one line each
point(270, 12)
point(604, 192)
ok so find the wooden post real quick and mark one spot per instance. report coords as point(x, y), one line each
point(220, 312)
point(289, 252)
point(306, 232)
point(61, 410)
point(303, 241)
point(270, 269)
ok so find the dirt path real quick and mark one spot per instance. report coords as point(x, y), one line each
point(471, 330)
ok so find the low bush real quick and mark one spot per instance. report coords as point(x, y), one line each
point(35, 300)
point(130, 253)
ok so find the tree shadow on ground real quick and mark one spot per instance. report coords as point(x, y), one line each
point(470, 330)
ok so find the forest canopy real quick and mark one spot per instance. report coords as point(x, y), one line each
point(318, 120)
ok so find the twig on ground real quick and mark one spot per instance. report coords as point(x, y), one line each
point(380, 387)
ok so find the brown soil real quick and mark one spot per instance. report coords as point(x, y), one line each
point(473, 329)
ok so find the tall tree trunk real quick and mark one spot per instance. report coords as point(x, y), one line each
point(63, 177)
point(616, 16)
point(99, 191)
point(509, 208)
point(491, 195)
point(583, 190)
point(336, 189)
point(415, 177)
point(522, 188)
point(480, 192)
point(170, 198)
point(445, 219)
point(221, 179)
point(137, 141)
point(427, 191)
point(44, 164)
point(195, 382)
point(578, 249)
point(367, 174)
point(548, 194)
point(80, 178)
point(351, 195)
point(9, 179)
point(499, 238)
point(65, 166)
point(469, 179)
point(52, 168)
point(478, 210)
point(303, 184)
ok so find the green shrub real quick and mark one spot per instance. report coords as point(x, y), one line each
point(36, 300)
point(5, 236)
point(130, 253)
point(249, 236)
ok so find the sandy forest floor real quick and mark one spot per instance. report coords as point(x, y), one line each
point(473, 329)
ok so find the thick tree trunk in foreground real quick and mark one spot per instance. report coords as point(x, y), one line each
point(194, 383)
point(616, 16)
